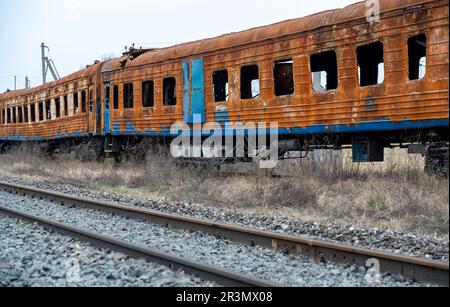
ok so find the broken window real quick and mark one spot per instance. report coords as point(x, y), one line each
point(41, 111)
point(14, 115)
point(417, 52)
point(128, 96)
point(75, 103)
point(9, 116)
point(250, 82)
point(83, 101)
point(20, 114)
point(283, 75)
point(66, 106)
point(220, 85)
point(48, 111)
point(324, 71)
point(170, 92)
point(3, 116)
point(148, 94)
point(116, 97)
point(370, 64)
point(58, 107)
point(25, 113)
point(33, 112)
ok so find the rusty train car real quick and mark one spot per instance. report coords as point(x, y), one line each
point(329, 80)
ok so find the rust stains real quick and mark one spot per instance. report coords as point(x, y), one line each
point(295, 82)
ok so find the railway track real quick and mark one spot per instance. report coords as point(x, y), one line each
point(206, 272)
point(419, 269)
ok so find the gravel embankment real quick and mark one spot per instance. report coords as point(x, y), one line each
point(389, 241)
point(30, 256)
point(255, 261)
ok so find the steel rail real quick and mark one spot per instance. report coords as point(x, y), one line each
point(204, 271)
point(416, 268)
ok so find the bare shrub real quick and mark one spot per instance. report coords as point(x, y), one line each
point(396, 194)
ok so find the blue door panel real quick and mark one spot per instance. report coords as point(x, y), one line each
point(198, 93)
point(186, 96)
point(107, 116)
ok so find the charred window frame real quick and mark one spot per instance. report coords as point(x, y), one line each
point(25, 113)
point(128, 96)
point(221, 90)
point(8, 115)
point(33, 112)
point(41, 110)
point(148, 94)
point(75, 103)
point(20, 115)
point(283, 76)
point(170, 91)
point(3, 117)
point(370, 64)
point(250, 87)
point(116, 97)
point(66, 106)
point(324, 71)
point(83, 102)
point(58, 107)
point(14, 116)
point(48, 110)
point(417, 55)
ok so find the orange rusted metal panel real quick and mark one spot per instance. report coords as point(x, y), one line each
point(397, 99)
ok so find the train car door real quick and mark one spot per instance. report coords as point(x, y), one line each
point(98, 107)
point(107, 109)
point(91, 111)
point(194, 92)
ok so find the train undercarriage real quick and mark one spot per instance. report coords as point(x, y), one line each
point(365, 148)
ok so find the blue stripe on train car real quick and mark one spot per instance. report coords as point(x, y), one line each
point(323, 129)
point(116, 127)
point(319, 129)
point(222, 116)
point(368, 127)
point(130, 128)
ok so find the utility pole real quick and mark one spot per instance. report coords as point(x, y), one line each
point(44, 73)
point(48, 64)
point(27, 82)
point(15, 83)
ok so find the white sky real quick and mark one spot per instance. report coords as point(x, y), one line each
point(81, 31)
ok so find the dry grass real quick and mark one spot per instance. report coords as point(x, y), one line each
point(395, 194)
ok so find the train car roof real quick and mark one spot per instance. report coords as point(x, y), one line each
point(281, 29)
point(277, 30)
point(85, 73)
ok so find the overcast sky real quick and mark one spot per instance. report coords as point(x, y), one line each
point(81, 31)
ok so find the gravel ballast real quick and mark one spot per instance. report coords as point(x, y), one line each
point(383, 240)
point(30, 256)
point(255, 261)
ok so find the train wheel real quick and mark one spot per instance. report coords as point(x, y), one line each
point(436, 160)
